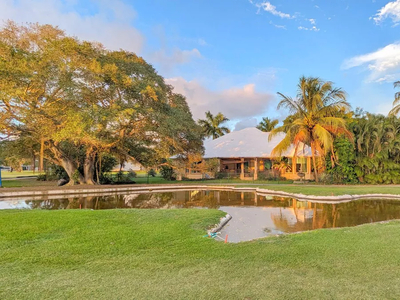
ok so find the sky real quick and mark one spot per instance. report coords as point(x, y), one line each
point(233, 56)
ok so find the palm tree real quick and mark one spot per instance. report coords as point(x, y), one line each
point(212, 125)
point(267, 125)
point(396, 103)
point(316, 117)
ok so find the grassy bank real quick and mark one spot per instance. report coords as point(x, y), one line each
point(161, 254)
point(331, 190)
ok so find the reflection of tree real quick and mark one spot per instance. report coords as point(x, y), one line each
point(319, 215)
point(47, 204)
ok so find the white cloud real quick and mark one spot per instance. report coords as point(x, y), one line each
point(312, 21)
point(314, 28)
point(390, 10)
point(383, 64)
point(268, 7)
point(235, 103)
point(110, 24)
point(246, 123)
point(177, 57)
point(277, 26)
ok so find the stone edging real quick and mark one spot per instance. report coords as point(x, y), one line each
point(145, 189)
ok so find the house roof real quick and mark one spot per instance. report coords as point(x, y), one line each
point(249, 142)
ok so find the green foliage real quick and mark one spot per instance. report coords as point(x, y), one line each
point(41, 177)
point(212, 125)
point(84, 101)
point(341, 164)
point(316, 118)
point(271, 175)
point(152, 173)
point(377, 151)
point(267, 125)
point(75, 177)
point(167, 173)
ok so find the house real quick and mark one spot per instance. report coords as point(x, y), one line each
point(247, 154)
point(129, 165)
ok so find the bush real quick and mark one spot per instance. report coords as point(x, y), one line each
point(271, 175)
point(42, 177)
point(168, 173)
point(152, 173)
point(75, 176)
point(131, 175)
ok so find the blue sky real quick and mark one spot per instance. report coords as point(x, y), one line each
point(233, 56)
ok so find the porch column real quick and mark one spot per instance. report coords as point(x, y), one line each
point(294, 162)
point(255, 168)
point(309, 162)
point(242, 169)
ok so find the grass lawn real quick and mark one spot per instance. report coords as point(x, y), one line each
point(27, 183)
point(13, 174)
point(161, 254)
point(332, 190)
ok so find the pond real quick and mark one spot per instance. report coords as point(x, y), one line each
point(254, 215)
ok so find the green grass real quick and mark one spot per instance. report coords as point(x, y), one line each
point(162, 254)
point(332, 190)
point(27, 183)
point(13, 174)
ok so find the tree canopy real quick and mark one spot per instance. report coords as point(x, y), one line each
point(267, 125)
point(212, 125)
point(82, 100)
point(315, 117)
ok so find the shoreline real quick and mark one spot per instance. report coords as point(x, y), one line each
point(14, 193)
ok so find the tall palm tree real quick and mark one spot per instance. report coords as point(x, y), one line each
point(396, 103)
point(316, 117)
point(267, 125)
point(212, 125)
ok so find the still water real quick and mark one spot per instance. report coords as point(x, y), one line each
point(254, 216)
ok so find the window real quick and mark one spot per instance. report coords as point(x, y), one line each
point(301, 164)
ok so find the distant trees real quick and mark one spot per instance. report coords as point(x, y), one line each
point(396, 103)
point(212, 125)
point(316, 120)
point(267, 125)
point(79, 102)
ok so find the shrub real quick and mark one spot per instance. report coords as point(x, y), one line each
point(42, 177)
point(131, 175)
point(168, 173)
point(152, 173)
point(272, 175)
point(75, 176)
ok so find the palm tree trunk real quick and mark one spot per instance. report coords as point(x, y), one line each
point(313, 159)
point(41, 155)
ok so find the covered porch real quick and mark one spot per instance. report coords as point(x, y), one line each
point(261, 168)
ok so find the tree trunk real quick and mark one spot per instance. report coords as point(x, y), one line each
point(68, 164)
point(314, 164)
point(88, 168)
point(71, 170)
point(33, 162)
point(41, 155)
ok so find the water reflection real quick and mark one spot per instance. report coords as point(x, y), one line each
point(253, 215)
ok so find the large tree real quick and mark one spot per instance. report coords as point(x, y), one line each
point(212, 125)
point(316, 117)
point(267, 125)
point(78, 100)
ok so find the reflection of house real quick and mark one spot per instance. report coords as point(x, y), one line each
point(248, 153)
